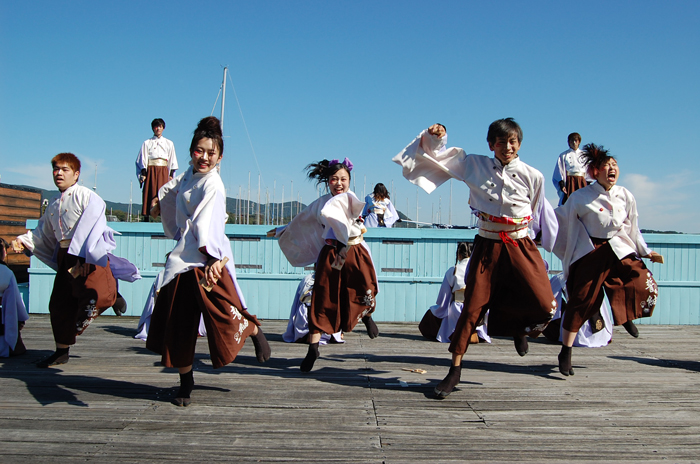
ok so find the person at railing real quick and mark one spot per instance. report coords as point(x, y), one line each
point(508, 277)
point(379, 211)
point(440, 320)
point(73, 239)
point(13, 314)
point(329, 232)
point(600, 246)
point(199, 276)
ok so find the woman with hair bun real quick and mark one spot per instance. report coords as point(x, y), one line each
point(601, 247)
point(199, 275)
point(379, 210)
point(329, 233)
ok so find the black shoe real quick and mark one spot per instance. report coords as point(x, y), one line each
point(565, 361)
point(631, 329)
point(58, 357)
point(371, 327)
point(119, 306)
point(521, 345)
point(262, 348)
point(311, 356)
point(448, 384)
point(182, 397)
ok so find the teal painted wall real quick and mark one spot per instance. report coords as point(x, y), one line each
point(410, 265)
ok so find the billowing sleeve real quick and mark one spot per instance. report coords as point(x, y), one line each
point(572, 242)
point(41, 242)
point(339, 215)
point(428, 164)
point(631, 227)
point(167, 195)
point(172, 158)
point(544, 219)
point(92, 239)
point(301, 240)
point(444, 298)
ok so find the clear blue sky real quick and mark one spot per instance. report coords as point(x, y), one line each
point(326, 79)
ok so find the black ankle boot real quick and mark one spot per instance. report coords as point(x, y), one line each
point(311, 356)
point(262, 348)
point(565, 361)
point(182, 398)
point(448, 384)
point(372, 329)
point(60, 356)
point(521, 344)
point(631, 329)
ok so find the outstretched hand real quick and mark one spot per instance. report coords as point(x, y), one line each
point(655, 257)
point(17, 246)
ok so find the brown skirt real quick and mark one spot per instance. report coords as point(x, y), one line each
point(341, 298)
point(573, 183)
point(175, 320)
point(628, 283)
point(156, 177)
point(76, 302)
point(511, 282)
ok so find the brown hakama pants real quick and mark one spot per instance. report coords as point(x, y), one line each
point(510, 281)
point(175, 320)
point(628, 283)
point(573, 183)
point(156, 177)
point(341, 298)
point(76, 302)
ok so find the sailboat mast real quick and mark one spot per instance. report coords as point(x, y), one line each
point(223, 99)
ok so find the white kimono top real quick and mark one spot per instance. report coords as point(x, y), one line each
point(374, 207)
point(156, 148)
point(193, 212)
point(13, 310)
point(569, 163)
point(594, 212)
point(78, 215)
point(514, 190)
point(328, 217)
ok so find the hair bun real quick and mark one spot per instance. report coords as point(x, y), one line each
point(209, 125)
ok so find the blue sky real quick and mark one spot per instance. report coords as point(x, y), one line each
point(329, 79)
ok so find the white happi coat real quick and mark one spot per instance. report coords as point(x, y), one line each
point(328, 217)
point(569, 163)
point(78, 215)
point(156, 148)
point(594, 212)
point(193, 212)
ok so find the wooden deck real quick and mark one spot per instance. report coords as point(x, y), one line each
point(636, 400)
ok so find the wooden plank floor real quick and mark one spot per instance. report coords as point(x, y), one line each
point(636, 400)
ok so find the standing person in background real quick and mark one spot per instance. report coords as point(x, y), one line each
point(330, 232)
point(600, 246)
point(379, 211)
point(569, 173)
point(73, 239)
point(193, 210)
point(156, 164)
